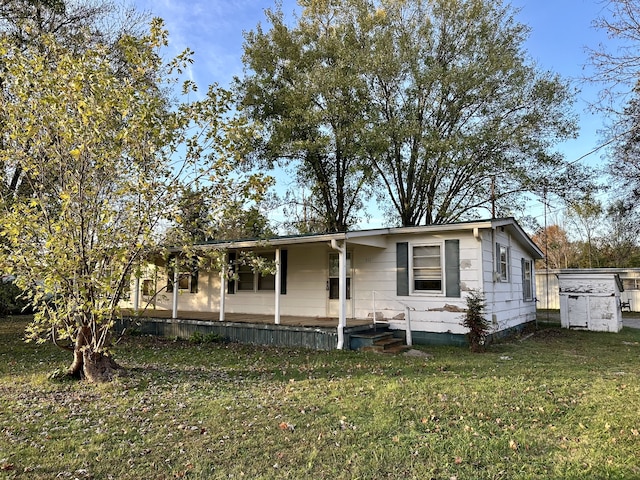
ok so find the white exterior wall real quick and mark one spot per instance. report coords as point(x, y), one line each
point(306, 281)
point(306, 289)
point(206, 300)
point(506, 305)
point(374, 269)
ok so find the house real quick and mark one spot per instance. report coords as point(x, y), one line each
point(412, 278)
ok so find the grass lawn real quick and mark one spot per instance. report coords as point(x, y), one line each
point(556, 404)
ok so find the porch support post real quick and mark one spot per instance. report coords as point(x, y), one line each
point(136, 294)
point(277, 289)
point(223, 290)
point(342, 289)
point(176, 286)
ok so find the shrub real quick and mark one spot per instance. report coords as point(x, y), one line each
point(197, 337)
point(476, 323)
point(10, 300)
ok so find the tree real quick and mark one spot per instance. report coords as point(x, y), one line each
point(586, 216)
point(303, 84)
point(465, 121)
point(617, 65)
point(106, 157)
point(76, 24)
point(435, 99)
point(617, 69)
point(558, 250)
point(620, 242)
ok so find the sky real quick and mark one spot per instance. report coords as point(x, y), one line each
point(561, 32)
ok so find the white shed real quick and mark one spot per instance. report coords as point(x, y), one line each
point(590, 301)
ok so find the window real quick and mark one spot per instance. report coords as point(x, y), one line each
point(334, 276)
point(245, 278)
point(527, 280)
point(426, 268)
point(267, 280)
point(148, 287)
point(187, 281)
point(502, 262)
point(250, 281)
point(184, 281)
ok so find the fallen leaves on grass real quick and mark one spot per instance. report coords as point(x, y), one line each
point(287, 426)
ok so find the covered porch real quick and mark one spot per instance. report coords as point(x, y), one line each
point(292, 331)
point(214, 317)
point(317, 269)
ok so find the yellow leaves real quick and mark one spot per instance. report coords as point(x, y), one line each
point(75, 85)
point(75, 153)
point(380, 14)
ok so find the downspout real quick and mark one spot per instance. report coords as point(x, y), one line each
point(342, 287)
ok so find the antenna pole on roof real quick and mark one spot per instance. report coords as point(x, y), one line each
point(493, 196)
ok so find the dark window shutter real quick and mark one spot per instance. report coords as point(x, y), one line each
point(524, 280)
point(194, 281)
point(402, 268)
point(452, 267)
point(231, 284)
point(170, 269)
point(284, 259)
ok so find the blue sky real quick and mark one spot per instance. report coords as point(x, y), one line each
point(561, 30)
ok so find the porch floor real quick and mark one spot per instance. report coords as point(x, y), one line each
point(213, 317)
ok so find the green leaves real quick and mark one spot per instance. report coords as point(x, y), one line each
point(106, 154)
point(428, 103)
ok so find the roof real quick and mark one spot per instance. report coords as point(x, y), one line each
point(374, 237)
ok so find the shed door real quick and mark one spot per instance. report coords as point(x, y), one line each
point(578, 311)
point(333, 286)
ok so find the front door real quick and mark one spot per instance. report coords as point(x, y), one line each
point(333, 286)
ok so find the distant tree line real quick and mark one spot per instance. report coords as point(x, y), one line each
point(592, 236)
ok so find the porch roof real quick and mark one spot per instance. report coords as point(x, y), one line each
point(375, 237)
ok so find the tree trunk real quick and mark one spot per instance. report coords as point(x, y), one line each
point(96, 367)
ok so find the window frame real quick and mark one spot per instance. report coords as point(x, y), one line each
point(148, 287)
point(442, 269)
point(503, 269)
point(528, 286)
point(257, 280)
point(333, 277)
point(184, 276)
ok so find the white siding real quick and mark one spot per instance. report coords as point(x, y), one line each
point(374, 269)
point(505, 299)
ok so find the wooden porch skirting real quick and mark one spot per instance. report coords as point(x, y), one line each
point(284, 335)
